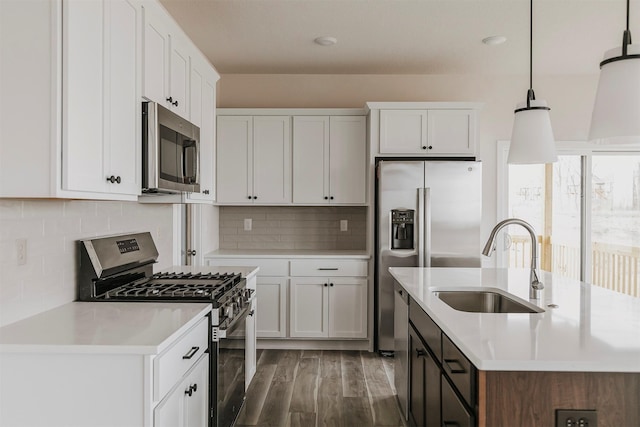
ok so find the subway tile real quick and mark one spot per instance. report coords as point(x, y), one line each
point(42, 209)
point(228, 230)
point(10, 209)
point(80, 208)
point(60, 227)
point(22, 228)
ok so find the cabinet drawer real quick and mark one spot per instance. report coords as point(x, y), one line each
point(328, 268)
point(459, 369)
point(172, 364)
point(454, 412)
point(268, 267)
point(429, 331)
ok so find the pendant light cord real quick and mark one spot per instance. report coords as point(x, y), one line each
point(626, 36)
point(628, 17)
point(530, 95)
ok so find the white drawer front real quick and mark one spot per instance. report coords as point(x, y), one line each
point(328, 268)
point(172, 364)
point(268, 267)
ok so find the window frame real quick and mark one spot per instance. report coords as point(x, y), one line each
point(586, 151)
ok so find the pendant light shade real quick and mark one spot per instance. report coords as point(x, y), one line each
point(532, 137)
point(616, 112)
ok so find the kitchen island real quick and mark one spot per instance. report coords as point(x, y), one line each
point(582, 352)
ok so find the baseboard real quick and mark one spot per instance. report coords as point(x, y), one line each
point(289, 344)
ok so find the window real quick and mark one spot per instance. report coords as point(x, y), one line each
point(601, 246)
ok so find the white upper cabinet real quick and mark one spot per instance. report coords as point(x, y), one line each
point(424, 129)
point(348, 159)
point(329, 160)
point(167, 61)
point(81, 61)
point(403, 131)
point(101, 97)
point(203, 114)
point(254, 160)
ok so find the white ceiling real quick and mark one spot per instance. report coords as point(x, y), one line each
point(403, 36)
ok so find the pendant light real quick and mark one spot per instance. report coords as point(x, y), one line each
point(616, 112)
point(532, 137)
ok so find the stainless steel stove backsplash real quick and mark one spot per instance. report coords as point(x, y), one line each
point(293, 227)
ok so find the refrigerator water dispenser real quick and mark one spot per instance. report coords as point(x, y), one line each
point(402, 226)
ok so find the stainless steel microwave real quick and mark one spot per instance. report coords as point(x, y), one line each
point(170, 152)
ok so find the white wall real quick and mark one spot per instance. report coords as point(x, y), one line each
point(51, 228)
point(570, 98)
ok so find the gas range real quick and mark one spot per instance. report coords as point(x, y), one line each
point(120, 268)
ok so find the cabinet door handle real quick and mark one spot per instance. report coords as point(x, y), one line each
point(175, 103)
point(251, 313)
point(326, 198)
point(460, 369)
point(191, 389)
point(325, 285)
point(248, 197)
point(170, 100)
point(424, 147)
point(205, 192)
point(191, 353)
point(421, 353)
point(330, 284)
point(328, 268)
point(400, 292)
point(255, 197)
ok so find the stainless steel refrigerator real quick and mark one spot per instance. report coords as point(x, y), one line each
point(428, 215)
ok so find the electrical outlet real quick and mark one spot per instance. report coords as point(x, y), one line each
point(576, 418)
point(248, 224)
point(21, 251)
point(344, 225)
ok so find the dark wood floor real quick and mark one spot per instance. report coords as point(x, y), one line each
point(321, 388)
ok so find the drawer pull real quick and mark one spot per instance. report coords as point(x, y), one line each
point(191, 353)
point(328, 268)
point(450, 362)
point(420, 352)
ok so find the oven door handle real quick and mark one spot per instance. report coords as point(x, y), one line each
point(224, 332)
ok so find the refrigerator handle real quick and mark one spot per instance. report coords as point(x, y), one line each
point(426, 230)
point(420, 217)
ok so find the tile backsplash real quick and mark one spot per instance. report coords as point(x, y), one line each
point(293, 227)
point(50, 229)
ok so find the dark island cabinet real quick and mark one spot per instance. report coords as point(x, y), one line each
point(442, 382)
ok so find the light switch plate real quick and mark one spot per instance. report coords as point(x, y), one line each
point(576, 418)
point(344, 225)
point(248, 224)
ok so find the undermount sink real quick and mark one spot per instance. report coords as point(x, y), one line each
point(485, 301)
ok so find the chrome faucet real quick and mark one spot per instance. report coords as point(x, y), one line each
point(536, 285)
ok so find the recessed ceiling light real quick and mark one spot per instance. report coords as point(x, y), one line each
point(326, 41)
point(494, 40)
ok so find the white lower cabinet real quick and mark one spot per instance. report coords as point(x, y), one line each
point(328, 307)
point(127, 373)
point(187, 404)
point(272, 317)
point(312, 298)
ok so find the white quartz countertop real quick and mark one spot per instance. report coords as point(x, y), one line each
point(591, 330)
point(245, 271)
point(286, 253)
point(103, 327)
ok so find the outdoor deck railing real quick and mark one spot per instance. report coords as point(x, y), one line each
point(614, 267)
